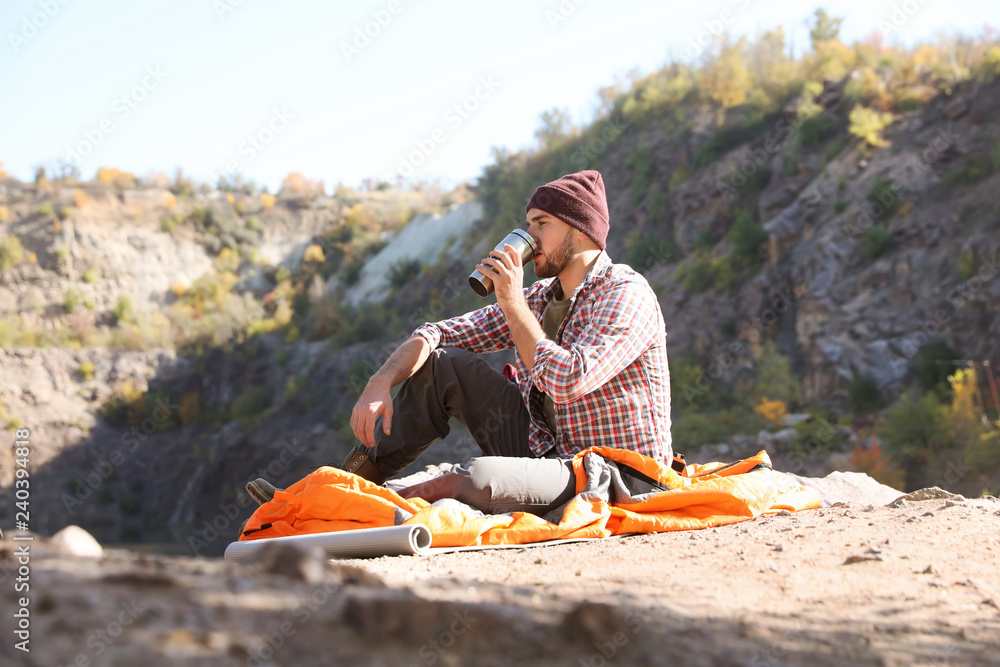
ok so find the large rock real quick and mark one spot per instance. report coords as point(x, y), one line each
point(76, 541)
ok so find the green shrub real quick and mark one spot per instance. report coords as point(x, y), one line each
point(749, 239)
point(403, 272)
point(966, 265)
point(864, 395)
point(698, 275)
point(8, 333)
point(72, 300)
point(973, 169)
point(252, 223)
point(90, 276)
point(352, 271)
point(840, 206)
point(640, 163)
point(696, 430)
point(876, 241)
point(292, 387)
point(46, 209)
point(693, 431)
point(912, 430)
point(358, 374)
point(11, 252)
point(756, 182)
point(836, 148)
point(643, 252)
point(774, 379)
point(129, 504)
point(816, 436)
point(723, 275)
point(251, 402)
point(726, 138)
point(341, 421)
point(931, 366)
point(690, 388)
point(706, 239)
point(170, 222)
point(883, 195)
point(123, 309)
point(86, 370)
point(815, 130)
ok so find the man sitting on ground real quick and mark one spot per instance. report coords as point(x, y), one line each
point(591, 369)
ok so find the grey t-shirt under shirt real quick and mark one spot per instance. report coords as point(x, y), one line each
point(552, 318)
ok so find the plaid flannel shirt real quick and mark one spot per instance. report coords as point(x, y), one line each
point(606, 370)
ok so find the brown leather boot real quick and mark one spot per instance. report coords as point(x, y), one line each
point(261, 490)
point(361, 465)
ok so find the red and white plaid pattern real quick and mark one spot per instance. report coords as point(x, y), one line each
point(606, 371)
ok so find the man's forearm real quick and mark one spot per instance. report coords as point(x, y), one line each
point(402, 363)
point(526, 332)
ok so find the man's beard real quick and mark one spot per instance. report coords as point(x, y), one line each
point(558, 259)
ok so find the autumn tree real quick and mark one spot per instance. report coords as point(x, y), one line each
point(824, 28)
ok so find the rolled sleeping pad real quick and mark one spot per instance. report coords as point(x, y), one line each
point(365, 542)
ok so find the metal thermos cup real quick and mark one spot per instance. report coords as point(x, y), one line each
point(522, 242)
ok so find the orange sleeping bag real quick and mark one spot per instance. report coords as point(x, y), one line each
point(711, 494)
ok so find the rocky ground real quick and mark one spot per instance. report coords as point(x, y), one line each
point(910, 583)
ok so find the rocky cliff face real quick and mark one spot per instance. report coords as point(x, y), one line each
point(840, 309)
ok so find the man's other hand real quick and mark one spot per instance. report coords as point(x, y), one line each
point(375, 400)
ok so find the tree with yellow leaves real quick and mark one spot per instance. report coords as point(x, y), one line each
point(297, 185)
point(314, 253)
point(868, 124)
point(726, 79)
point(964, 412)
point(772, 411)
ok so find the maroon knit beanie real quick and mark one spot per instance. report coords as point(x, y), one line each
point(579, 201)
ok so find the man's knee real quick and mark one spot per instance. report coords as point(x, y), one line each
point(485, 471)
point(450, 356)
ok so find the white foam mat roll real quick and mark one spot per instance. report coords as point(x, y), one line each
point(361, 543)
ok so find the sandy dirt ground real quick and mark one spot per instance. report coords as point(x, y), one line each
point(913, 583)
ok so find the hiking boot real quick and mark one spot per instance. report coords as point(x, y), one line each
point(361, 465)
point(261, 490)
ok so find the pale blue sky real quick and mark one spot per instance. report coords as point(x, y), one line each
point(229, 69)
